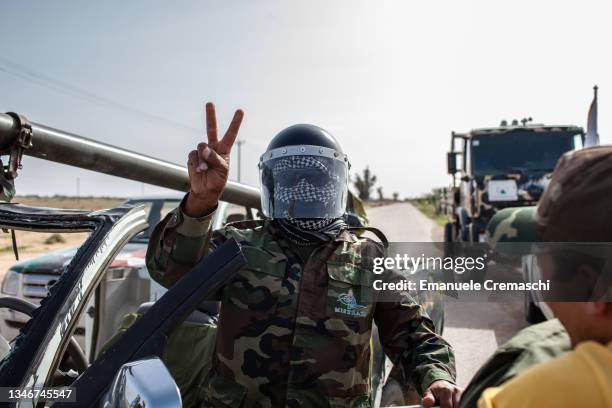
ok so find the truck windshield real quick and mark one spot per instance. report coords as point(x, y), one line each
point(519, 152)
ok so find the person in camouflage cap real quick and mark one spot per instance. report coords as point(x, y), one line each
point(572, 209)
point(295, 323)
point(533, 345)
point(570, 232)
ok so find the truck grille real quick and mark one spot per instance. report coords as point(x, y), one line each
point(37, 285)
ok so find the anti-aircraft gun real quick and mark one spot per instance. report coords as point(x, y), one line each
point(19, 137)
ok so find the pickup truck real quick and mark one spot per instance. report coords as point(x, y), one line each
point(125, 286)
point(67, 325)
point(130, 372)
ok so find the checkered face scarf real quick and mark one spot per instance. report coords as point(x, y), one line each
point(310, 224)
point(308, 232)
point(303, 190)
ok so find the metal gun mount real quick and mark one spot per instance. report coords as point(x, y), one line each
point(8, 172)
point(19, 137)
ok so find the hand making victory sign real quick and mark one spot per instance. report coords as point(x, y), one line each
point(208, 166)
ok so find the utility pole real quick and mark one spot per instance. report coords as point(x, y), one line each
point(78, 186)
point(239, 143)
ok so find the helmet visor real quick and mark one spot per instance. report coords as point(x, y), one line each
point(304, 186)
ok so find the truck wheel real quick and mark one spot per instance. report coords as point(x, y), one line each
point(473, 251)
point(464, 233)
point(449, 235)
point(448, 232)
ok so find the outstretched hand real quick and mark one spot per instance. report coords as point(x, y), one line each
point(208, 165)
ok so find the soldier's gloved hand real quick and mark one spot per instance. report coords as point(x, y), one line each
point(209, 165)
point(446, 394)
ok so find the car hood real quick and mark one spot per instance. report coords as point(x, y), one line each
point(132, 254)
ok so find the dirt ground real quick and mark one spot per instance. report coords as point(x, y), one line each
point(90, 203)
point(33, 244)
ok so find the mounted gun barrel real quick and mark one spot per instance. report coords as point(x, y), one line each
point(74, 150)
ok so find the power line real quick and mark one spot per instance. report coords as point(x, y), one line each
point(65, 88)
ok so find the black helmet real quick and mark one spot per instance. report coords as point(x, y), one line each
point(304, 175)
point(304, 134)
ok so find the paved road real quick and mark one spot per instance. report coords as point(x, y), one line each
point(474, 329)
point(402, 222)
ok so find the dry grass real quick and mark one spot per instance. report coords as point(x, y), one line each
point(428, 206)
point(89, 203)
point(33, 244)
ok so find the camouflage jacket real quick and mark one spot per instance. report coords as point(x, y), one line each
point(298, 334)
point(531, 346)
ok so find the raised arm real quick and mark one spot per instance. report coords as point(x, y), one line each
point(182, 238)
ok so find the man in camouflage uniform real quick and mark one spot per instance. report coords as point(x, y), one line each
point(295, 323)
point(575, 208)
point(531, 346)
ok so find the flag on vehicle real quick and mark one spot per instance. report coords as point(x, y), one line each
point(592, 137)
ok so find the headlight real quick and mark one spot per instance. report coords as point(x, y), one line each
point(12, 281)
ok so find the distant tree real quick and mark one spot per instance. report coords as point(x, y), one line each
point(364, 184)
point(395, 196)
point(380, 193)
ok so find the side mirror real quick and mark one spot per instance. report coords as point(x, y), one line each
point(143, 383)
point(451, 162)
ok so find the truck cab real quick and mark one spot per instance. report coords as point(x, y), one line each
point(495, 168)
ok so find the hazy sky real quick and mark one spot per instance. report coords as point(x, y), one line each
point(390, 79)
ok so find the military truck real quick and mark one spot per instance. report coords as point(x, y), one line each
point(495, 168)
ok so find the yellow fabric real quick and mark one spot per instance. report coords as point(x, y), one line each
point(579, 378)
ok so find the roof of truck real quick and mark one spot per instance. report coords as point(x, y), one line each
point(531, 128)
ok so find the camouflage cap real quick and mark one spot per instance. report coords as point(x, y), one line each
point(575, 207)
point(512, 225)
